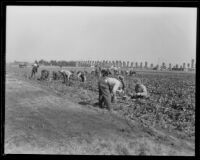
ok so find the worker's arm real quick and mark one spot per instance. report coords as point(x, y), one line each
point(115, 88)
point(121, 89)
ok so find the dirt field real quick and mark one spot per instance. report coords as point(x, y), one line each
point(40, 121)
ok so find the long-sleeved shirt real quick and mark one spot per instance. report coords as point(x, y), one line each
point(141, 90)
point(114, 83)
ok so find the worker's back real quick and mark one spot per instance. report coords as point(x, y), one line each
point(66, 72)
point(112, 81)
point(103, 86)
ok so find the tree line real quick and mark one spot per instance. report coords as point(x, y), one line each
point(57, 63)
point(107, 63)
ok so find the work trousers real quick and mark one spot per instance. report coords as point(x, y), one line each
point(104, 95)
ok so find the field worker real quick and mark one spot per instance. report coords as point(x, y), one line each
point(140, 90)
point(44, 75)
point(66, 75)
point(115, 85)
point(81, 75)
point(34, 69)
point(98, 71)
point(104, 92)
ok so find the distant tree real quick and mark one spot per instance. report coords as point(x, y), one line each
point(123, 64)
point(127, 63)
point(146, 64)
point(136, 64)
point(117, 63)
point(43, 62)
point(170, 66)
point(113, 63)
point(120, 63)
point(53, 62)
point(184, 65)
point(140, 64)
point(132, 64)
point(192, 63)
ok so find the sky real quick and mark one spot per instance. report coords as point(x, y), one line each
point(135, 34)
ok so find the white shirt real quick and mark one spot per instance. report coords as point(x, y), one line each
point(114, 83)
point(35, 64)
point(68, 73)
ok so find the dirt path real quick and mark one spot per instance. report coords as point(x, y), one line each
point(39, 121)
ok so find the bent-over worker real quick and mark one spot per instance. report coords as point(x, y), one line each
point(66, 75)
point(81, 75)
point(115, 85)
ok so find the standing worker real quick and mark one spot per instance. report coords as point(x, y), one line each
point(34, 69)
point(104, 92)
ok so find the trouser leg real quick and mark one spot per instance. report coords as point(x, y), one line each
point(100, 98)
point(64, 79)
point(104, 95)
point(107, 101)
point(31, 74)
point(113, 98)
point(101, 101)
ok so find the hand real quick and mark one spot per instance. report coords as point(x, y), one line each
point(138, 94)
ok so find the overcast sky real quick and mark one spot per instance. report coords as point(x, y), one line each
point(133, 34)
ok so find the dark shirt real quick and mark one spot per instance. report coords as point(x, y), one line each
point(103, 87)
